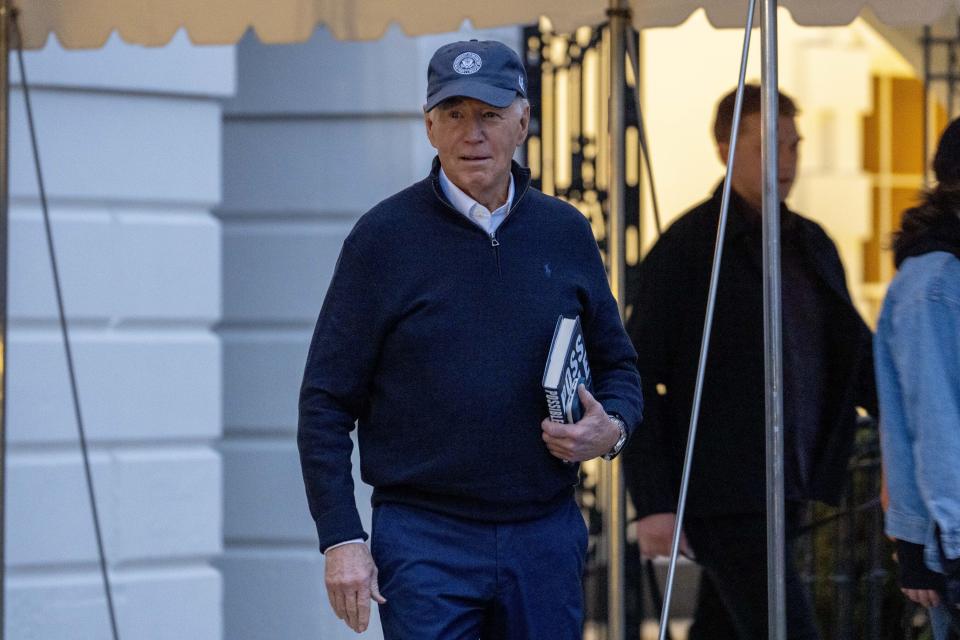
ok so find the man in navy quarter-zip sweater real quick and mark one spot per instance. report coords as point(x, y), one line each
point(432, 339)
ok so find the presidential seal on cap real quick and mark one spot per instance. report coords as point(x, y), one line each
point(485, 70)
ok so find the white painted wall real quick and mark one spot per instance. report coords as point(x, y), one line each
point(130, 144)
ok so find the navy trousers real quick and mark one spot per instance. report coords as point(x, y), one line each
point(448, 578)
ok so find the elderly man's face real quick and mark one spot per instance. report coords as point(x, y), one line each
point(747, 178)
point(475, 142)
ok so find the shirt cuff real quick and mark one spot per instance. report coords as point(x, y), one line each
point(914, 574)
point(949, 558)
point(340, 544)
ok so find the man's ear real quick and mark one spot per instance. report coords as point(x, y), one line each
point(428, 123)
point(524, 123)
point(723, 150)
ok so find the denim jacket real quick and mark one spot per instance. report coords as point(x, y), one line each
point(917, 358)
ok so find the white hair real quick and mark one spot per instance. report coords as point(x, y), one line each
point(523, 102)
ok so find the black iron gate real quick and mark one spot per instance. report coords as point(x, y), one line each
point(568, 156)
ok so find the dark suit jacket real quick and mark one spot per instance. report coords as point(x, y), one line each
point(666, 327)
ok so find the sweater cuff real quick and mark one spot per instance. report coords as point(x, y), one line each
point(628, 413)
point(339, 524)
point(914, 573)
point(342, 544)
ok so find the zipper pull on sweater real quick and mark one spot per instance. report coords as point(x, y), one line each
point(493, 241)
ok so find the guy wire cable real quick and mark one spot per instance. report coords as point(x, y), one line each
point(63, 329)
point(707, 325)
point(634, 57)
point(5, 30)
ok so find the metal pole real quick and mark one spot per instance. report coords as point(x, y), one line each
point(772, 338)
point(878, 574)
point(927, 44)
point(643, 153)
point(614, 524)
point(4, 218)
point(951, 77)
point(707, 325)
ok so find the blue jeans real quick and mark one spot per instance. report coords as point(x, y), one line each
point(448, 578)
point(939, 622)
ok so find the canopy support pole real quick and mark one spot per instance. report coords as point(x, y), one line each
point(772, 336)
point(614, 525)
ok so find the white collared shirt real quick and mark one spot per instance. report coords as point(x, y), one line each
point(473, 210)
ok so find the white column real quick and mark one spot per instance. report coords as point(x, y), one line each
point(130, 142)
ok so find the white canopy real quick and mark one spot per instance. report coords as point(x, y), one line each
point(88, 23)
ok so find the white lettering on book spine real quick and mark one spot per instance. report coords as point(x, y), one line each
point(565, 370)
point(554, 406)
point(576, 371)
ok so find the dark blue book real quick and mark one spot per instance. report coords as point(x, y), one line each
point(566, 369)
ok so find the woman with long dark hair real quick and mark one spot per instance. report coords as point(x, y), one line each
point(917, 350)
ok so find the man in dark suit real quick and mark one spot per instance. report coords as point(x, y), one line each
point(827, 374)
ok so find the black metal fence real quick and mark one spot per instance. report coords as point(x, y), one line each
point(848, 563)
point(567, 149)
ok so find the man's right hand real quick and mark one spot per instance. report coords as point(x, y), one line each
point(655, 534)
point(351, 578)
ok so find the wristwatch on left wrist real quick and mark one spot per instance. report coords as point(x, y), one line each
point(622, 440)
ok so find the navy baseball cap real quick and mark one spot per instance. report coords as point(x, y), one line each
point(486, 70)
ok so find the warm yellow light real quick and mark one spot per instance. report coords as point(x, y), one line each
point(583, 36)
point(558, 51)
point(562, 157)
point(632, 140)
point(546, 132)
point(590, 88)
point(573, 108)
point(632, 241)
point(533, 157)
point(603, 96)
